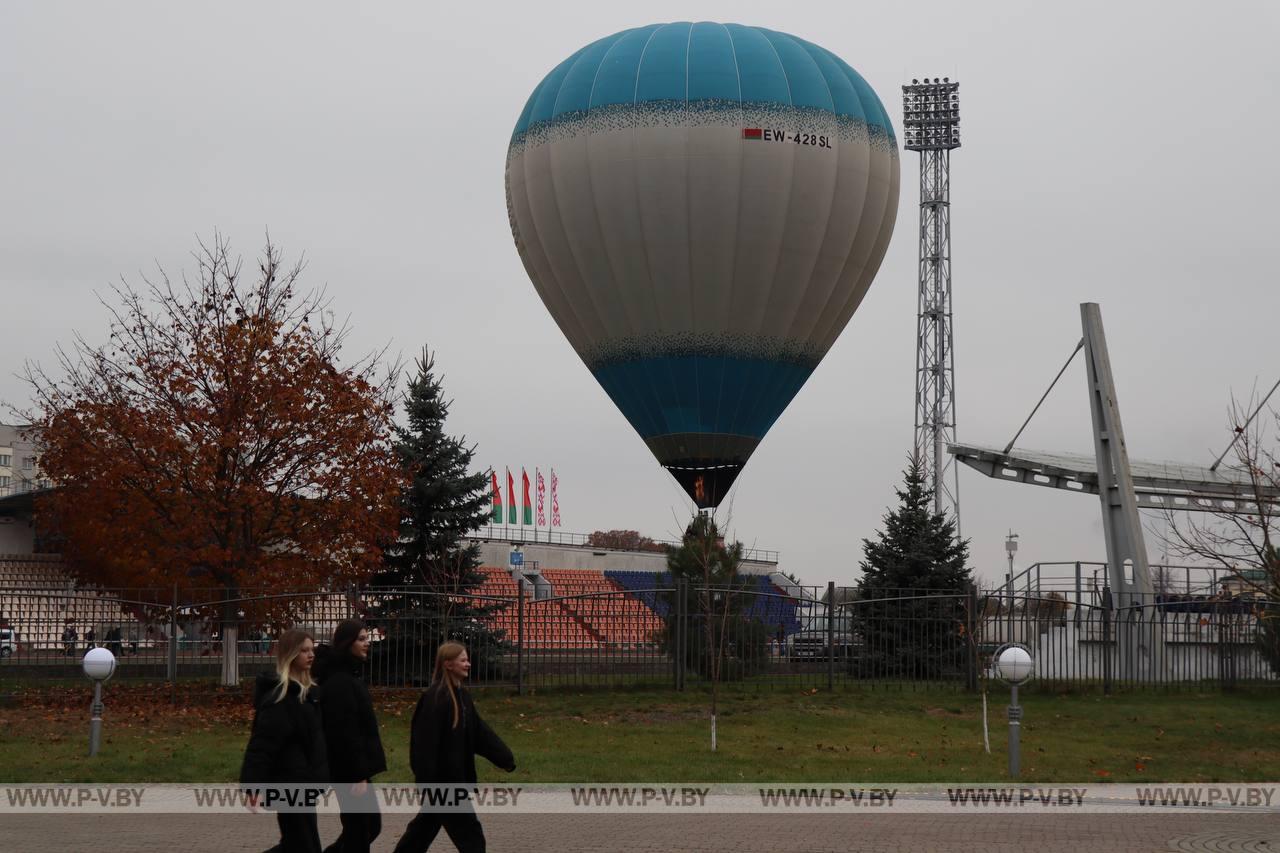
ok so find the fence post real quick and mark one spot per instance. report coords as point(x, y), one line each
point(1106, 640)
point(971, 635)
point(682, 630)
point(520, 637)
point(1008, 609)
point(686, 622)
point(673, 630)
point(831, 635)
point(172, 667)
point(1226, 657)
point(1079, 594)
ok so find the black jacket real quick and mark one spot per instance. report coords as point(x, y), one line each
point(438, 752)
point(350, 726)
point(287, 744)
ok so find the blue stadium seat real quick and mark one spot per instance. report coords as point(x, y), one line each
point(771, 606)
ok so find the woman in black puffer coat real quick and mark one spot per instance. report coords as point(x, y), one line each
point(287, 744)
point(444, 739)
point(351, 735)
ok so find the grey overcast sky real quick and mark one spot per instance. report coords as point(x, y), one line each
point(1113, 152)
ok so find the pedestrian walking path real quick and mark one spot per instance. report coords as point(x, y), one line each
point(766, 833)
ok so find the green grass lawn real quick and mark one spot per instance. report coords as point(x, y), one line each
point(883, 735)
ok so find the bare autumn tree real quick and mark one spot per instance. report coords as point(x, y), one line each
point(215, 442)
point(1245, 541)
point(623, 540)
point(1241, 540)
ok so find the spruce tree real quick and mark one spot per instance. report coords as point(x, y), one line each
point(915, 579)
point(444, 501)
point(917, 549)
point(430, 570)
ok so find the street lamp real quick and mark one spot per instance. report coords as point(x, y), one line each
point(1015, 667)
point(99, 664)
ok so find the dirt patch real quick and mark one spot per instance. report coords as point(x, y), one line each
point(656, 716)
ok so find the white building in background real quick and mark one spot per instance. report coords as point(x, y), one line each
point(20, 476)
point(19, 460)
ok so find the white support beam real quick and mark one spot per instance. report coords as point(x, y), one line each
point(1183, 488)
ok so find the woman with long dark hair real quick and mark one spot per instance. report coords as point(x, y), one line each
point(446, 736)
point(351, 735)
point(287, 744)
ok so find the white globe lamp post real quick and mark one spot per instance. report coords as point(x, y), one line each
point(99, 664)
point(1015, 666)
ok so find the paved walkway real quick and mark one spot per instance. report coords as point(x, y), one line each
point(678, 834)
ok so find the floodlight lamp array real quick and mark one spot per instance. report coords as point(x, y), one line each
point(931, 115)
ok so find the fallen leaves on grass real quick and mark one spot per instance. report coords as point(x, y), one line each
point(131, 705)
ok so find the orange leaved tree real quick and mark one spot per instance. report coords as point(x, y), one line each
point(215, 444)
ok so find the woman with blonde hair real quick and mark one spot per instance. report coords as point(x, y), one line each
point(445, 737)
point(287, 744)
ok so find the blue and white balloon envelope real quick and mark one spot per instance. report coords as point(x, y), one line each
point(702, 207)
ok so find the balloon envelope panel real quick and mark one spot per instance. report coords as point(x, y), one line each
point(701, 208)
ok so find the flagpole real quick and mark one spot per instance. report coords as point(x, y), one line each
point(493, 496)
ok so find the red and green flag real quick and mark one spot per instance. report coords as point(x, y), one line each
point(528, 504)
point(512, 518)
point(496, 515)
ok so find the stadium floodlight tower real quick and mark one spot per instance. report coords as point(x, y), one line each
point(931, 126)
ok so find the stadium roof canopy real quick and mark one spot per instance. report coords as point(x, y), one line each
point(1158, 485)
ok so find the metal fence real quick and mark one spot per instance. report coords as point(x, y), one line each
point(591, 632)
point(1083, 581)
point(514, 533)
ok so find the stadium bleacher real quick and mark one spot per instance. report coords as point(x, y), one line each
point(547, 624)
point(38, 600)
point(768, 603)
point(588, 609)
point(773, 606)
point(641, 587)
point(603, 605)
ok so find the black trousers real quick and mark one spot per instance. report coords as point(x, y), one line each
point(361, 822)
point(299, 833)
point(463, 829)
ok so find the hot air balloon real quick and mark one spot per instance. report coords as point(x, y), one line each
point(702, 208)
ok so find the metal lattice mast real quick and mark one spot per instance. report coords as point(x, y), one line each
point(931, 124)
